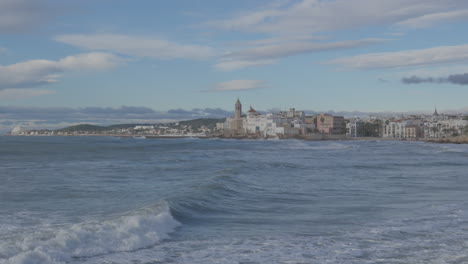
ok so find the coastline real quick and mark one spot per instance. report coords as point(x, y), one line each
point(448, 140)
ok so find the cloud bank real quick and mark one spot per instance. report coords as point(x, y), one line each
point(460, 79)
point(268, 54)
point(410, 58)
point(428, 20)
point(314, 16)
point(102, 115)
point(292, 25)
point(58, 117)
point(294, 48)
point(13, 94)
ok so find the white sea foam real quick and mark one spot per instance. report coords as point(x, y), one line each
point(143, 228)
point(453, 148)
point(434, 238)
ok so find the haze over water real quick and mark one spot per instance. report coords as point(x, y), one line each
point(126, 200)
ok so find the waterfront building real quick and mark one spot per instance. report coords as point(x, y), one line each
point(412, 131)
point(262, 124)
point(393, 129)
point(329, 124)
point(143, 127)
point(219, 126)
point(237, 122)
point(290, 122)
point(435, 116)
point(445, 126)
point(403, 129)
point(354, 128)
point(234, 126)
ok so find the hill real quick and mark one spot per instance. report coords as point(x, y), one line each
point(206, 122)
point(194, 124)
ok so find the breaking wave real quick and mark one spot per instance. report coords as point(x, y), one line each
point(434, 237)
point(136, 230)
point(452, 148)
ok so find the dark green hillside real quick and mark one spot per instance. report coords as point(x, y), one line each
point(123, 126)
point(194, 124)
point(82, 127)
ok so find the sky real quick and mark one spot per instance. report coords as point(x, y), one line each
point(111, 61)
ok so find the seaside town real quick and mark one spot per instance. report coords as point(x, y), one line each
point(286, 124)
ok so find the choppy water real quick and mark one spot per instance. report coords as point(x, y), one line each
point(111, 200)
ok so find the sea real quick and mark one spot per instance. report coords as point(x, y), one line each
point(132, 200)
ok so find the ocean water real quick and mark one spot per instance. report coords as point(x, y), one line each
point(126, 200)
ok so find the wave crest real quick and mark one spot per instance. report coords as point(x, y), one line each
point(139, 229)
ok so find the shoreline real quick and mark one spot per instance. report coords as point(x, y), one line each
point(449, 140)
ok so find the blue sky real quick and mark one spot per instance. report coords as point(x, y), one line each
point(364, 55)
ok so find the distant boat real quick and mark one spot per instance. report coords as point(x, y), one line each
point(139, 137)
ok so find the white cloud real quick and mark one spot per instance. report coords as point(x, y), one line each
point(238, 85)
point(267, 54)
point(293, 27)
point(312, 16)
point(294, 48)
point(39, 72)
point(282, 39)
point(410, 58)
point(430, 19)
point(13, 94)
point(138, 46)
point(231, 65)
point(90, 61)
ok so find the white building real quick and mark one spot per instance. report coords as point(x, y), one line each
point(260, 124)
point(354, 127)
point(143, 127)
point(403, 129)
point(266, 125)
point(445, 127)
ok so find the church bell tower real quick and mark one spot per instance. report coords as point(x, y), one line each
point(238, 108)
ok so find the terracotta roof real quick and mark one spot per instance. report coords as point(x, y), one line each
point(252, 111)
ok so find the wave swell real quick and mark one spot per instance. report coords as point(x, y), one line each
point(139, 229)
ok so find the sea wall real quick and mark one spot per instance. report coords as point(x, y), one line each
point(452, 140)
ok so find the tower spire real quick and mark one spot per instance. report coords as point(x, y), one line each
point(238, 108)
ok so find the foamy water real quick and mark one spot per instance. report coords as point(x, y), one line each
point(109, 200)
point(140, 229)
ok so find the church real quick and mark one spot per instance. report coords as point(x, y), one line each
point(234, 126)
point(252, 123)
